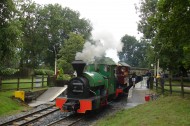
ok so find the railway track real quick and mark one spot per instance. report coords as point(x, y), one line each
point(32, 117)
point(69, 120)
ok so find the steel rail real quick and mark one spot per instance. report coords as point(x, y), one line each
point(34, 119)
point(65, 121)
point(22, 117)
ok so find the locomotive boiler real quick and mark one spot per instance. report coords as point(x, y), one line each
point(95, 87)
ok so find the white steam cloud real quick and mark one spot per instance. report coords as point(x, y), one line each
point(104, 45)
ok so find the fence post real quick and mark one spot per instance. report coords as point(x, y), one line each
point(156, 84)
point(18, 83)
point(170, 83)
point(151, 82)
point(48, 80)
point(32, 82)
point(162, 86)
point(182, 88)
point(0, 83)
point(42, 80)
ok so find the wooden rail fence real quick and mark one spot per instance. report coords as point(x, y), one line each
point(19, 83)
point(169, 85)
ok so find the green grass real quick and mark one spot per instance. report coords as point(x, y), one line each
point(166, 111)
point(8, 105)
point(177, 83)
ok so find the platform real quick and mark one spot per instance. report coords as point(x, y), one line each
point(48, 96)
point(137, 95)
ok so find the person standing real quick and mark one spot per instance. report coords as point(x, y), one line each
point(162, 77)
point(134, 79)
point(148, 75)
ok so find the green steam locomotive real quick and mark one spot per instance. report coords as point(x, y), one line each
point(95, 87)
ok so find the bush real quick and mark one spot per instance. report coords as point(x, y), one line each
point(8, 71)
point(43, 72)
point(67, 67)
point(39, 72)
point(49, 72)
point(24, 72)
point(62, 76)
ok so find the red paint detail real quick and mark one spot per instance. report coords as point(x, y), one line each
point(118, 91)
point(147, 98)
point(84, 106)
point(60, 102)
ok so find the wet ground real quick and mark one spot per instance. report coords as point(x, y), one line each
point(137, 94)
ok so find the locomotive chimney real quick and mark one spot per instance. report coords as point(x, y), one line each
point(78, 65)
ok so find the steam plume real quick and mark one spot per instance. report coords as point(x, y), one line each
point(103, 41)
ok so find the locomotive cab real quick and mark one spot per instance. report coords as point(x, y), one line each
point(123, 78)
point(122, 73)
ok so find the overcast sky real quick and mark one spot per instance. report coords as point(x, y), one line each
point(113, 18)
point(117, 17)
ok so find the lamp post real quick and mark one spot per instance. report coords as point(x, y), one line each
point(55, 67)
point(55, 54)
point(158, 69)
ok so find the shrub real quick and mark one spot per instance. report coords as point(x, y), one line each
point(8, 71)
point(62, 76)
point(49, 72)
point(25, 72)
point(43, 72)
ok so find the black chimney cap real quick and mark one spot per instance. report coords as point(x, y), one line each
point(78, 65)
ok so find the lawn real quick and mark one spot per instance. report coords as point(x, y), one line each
point(8, 105)
point(166, 111)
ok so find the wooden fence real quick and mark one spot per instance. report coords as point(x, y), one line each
point(172, 85)
point(20, 83)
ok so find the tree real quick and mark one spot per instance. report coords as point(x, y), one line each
point(133, 52)
point(68, 51)
point(9, 34)
point(147, 26)
point(31, 41)
point(174, 31)
point(128, 49)
point(147, 12)
point(45, 29)
point(170, 23)
point(143, 54)
point(55, 24)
